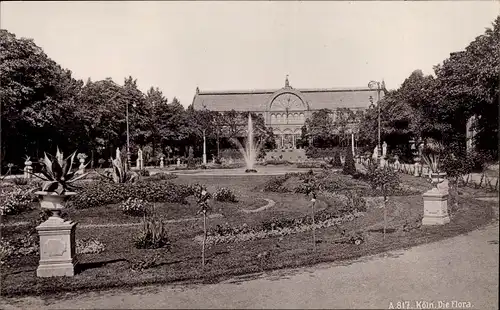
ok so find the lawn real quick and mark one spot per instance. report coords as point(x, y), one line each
point(118, 265)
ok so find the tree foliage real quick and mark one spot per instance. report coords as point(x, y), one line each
point(43, 107)
point(438, 107)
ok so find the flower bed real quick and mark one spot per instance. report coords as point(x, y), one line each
point(328, 181)
point(228, 234)
point(338, 211)
point(102, 193)
point(16, 199)
point(312, 164)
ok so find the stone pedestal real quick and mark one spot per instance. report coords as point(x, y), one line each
point(57, 248)
point(28, 171)
point(178, 162)
point(435, 207)
point(57, 238)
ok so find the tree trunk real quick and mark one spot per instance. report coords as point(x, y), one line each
point(218, 147)
point(385, 213)
point(314, 227)
point(204, 239)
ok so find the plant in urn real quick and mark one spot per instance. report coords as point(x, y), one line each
point(431, 155)
point(57, 236)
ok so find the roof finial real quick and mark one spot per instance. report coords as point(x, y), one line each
point(197, 90)
point(287, 84)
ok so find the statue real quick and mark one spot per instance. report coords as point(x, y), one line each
point(384, 149)
point(28, 169)
point(375, 153)
point(139, 164)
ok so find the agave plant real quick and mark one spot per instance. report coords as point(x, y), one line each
point(120, 173)
point(431, 155)
point(57, 173)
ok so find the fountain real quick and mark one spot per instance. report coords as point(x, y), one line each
point(251, 150)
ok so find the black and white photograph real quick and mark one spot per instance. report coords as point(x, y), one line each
point(249, 154)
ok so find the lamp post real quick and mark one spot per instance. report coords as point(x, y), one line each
point(373, 85)
point(126, 120)
point(204, 148)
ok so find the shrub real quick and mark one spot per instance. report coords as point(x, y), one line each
point(231, 153)
point(456, 167)
point(6, 250)
point(143, 173)
point(314, 152)
point(224, 194)
point(311, 164)
point(349, 166)
point(145, 263)
point(135, 207)
point(102, 193)
point(385, 179)
point(15, 201)
point(477, 160)
point(355, 202)
point(190, 160)
point(337, 163)
point(217, 160)
point(275, 184)
point(153, 233)
point(278, 162)
point(89, 246)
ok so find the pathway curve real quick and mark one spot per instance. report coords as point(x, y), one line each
point(463, 268)
point(270, 203)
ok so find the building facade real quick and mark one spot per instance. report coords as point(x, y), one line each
point(285, 110)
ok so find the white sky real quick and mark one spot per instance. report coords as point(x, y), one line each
point(177, 46)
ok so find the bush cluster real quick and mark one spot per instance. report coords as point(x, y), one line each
point(312, 164)
point(224, 194)
point(103, 193)
point(15, 200)
point(349, 165)
point(275, 184)
point(277, 162)
point(89, 246)
point(337, 162)
point(314, 152)
point(135, 207)
point(230, 153)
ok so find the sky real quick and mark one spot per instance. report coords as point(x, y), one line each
point(178, 46)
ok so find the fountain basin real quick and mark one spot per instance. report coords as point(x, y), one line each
point(250, 171)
